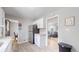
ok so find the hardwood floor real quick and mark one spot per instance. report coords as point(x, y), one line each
point(28, 47)
point(53, 44)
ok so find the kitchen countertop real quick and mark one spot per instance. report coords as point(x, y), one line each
point(5, 42)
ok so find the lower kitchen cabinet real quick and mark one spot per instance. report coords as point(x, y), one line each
point(40, 41)
point(37, 40)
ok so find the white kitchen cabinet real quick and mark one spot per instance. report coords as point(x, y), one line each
point(40, 40)
point(6, 44)
point(37, 40)
point(40, 23)
point(9, 47)
point(43, 40)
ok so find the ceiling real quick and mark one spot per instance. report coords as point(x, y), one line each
point(29, 12)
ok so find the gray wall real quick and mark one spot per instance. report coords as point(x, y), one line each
point(69, 34)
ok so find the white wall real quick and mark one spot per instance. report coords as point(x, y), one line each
point(2, 20)
point(25, 29)
point(24, 33)
point(13, 28)
point(69, 34)
point(2, 13)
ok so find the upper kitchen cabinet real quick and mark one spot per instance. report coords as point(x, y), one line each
point(41, 23)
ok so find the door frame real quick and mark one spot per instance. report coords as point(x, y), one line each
point(47, 28)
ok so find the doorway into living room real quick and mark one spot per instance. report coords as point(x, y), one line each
point(52, 29)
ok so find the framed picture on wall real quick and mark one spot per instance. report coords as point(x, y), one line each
point(70, 21)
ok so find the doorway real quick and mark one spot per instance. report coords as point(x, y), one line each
point(52, 30)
